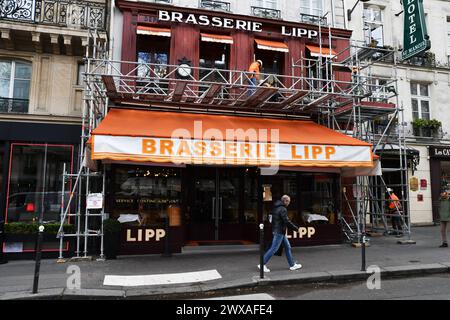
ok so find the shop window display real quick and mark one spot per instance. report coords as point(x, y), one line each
point(35, 182)
point(144, 196)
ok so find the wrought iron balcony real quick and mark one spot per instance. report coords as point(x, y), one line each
point(13, 105)
point(266, 13)
point(215, 5)
point(62, 13)
point(308, 18)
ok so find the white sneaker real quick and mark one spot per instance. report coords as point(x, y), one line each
point(265, 268)
point(295, 266)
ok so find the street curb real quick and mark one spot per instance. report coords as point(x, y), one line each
point(190, 291)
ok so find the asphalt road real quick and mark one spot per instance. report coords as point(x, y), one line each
point(435, 287)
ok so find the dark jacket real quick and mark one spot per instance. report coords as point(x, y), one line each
point(280, 220)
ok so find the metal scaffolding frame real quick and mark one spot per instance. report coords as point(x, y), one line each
point(345, 106)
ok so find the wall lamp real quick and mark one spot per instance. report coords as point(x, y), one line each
point(349, 11)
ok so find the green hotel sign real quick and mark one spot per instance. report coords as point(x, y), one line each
point(416, 39)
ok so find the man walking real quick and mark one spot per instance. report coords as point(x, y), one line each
point(280, 222)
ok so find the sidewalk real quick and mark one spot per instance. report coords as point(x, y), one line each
point(238, 269)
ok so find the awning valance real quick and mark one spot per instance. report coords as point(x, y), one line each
point(207, 37)
point(271, 45)
point(152, 31)
point(166, 137)
point(325, 52)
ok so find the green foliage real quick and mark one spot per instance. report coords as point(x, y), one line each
point(430, 124)
point(111, 226)
point(32, 228)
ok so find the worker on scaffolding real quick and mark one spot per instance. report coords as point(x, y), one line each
point(254, 74)
point(395, 211)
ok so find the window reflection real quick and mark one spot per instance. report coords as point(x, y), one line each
point(35, 184)
point(146, 195)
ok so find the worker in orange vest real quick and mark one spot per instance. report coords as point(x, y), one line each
point(395, 209)
point(254, 74)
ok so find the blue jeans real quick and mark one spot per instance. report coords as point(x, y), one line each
point(276, 243)
point(252, 83)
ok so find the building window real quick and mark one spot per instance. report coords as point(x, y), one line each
point(80, 74)
point(35, 182)
point(15, 78)
point(269, 4)
point(448, 39)
point(312, 7)
point(420, 101)
point(379, 90)
point(373, 26)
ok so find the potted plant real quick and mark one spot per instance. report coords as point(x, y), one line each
point(25, 232)
point(419, 127)
point(111, 229)
point(435, 125)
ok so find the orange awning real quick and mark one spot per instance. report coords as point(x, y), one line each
point(326, 52)
point(156, 136)
point(207, 37)
point(271, 45)
point(152, 31)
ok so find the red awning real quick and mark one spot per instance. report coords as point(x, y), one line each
point(272, 45)
point(325, 52)
point(218, 38)
point(152, 31)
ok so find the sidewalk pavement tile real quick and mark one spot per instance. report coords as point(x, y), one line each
point(94, 293)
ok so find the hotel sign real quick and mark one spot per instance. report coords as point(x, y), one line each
point(416, 39)
point(229, 23)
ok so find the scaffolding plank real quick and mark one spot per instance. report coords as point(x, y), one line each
point(179, 90)
point(261, 94)
point(292, 99)
point(211, 93)
point(110, 84)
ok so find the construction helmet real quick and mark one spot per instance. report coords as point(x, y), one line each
point(260, 62)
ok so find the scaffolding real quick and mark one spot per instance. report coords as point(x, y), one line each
point(355, 104)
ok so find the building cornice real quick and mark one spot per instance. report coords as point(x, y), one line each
point(33, 118)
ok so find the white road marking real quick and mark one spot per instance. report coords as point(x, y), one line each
point(161, 279)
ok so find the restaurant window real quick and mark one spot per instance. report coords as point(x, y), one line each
point(420, 101)
point(274, 187)
point(273, 60)
point(153, 59)
point(251, 195)
point(35, 182)
point(214, 54)
point(15, 78)
point(312, 7)
point(373, 26)
point(318, 198)
point(146, 195)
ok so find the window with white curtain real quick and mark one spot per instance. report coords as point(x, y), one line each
point(269, 4)
point(373, 25)
point(312, 7)
point(420, 101)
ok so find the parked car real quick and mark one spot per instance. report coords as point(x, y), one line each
point(26, 206)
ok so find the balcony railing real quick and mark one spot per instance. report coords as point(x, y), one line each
point(266, 13)
point(308, 18)
point(13, 105)
point(62, 13)
point(215, 5)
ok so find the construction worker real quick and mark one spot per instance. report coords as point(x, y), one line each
point(254, 74)
point(395, 208)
